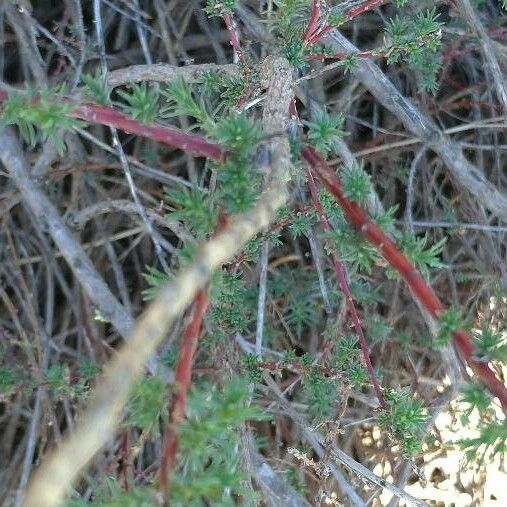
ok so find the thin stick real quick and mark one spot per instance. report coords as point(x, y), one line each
point(261, 302)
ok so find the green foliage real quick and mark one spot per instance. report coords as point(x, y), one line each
point(450, 321)
point(230, 89)
point(8, 380)
point(385, 220)
point(239, 133)
point(147, 404)
point(219, 7)
point(228, 309)
point(416, 39)
point(181, 102)
point(155, 279)
point(301, 225)
point(336, 19)
point(251, 368)
point(57, 377)
point(491, 345)
point(357, 375)
point(112, 495)
point(239, 186)
point(290, 23)
point(345, 351)
point(193, 208)
point(356, 185)
point(46, 111)
point(291, 18)
point(350, 63)
point(96, 87)
point(88, 369)
point(325, 130)
point(476, 398)
point(294, 51)
point(142, 102)
point(405, 419)
point(302, 311)
point(353, 249)
point(491, 440)
point(320, 393)
point(209, 455)
point(332, 209)
point(423, 258)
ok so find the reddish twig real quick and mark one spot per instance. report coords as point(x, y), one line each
point(233, 39)
point(425, 294)
point(344, 286)
point(313, 34)
point(313, 23)
point(190, 143)
point(368, 5)
point(319, 34)
point(183, 376)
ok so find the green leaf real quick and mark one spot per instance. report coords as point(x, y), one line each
point(325, 130)
point(143, 102)
point(491, 345)
point(405, 417)
point(450, 322)
point(181, 102)
point(47, 112)
point(423, 258)
point(356, 184)
point(156, 279)
point(147, 404)
point(96, 87)
point(193, 208)
point(239, 134)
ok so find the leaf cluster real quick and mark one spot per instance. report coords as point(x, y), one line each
point(209, 456)
point(325, 130)
point(404, 418)
point(46, 112)
point(147, 405)
point(142, 102)
point(450, 322)
point(416, 39)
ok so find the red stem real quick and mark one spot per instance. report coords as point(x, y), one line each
point(342, 279)
point(190, 143)
point(425, 294)
point(364, 7)
point(319, 34)
point(229, 23)
point(313, 23)
point(183, 376)
point(312, 34)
